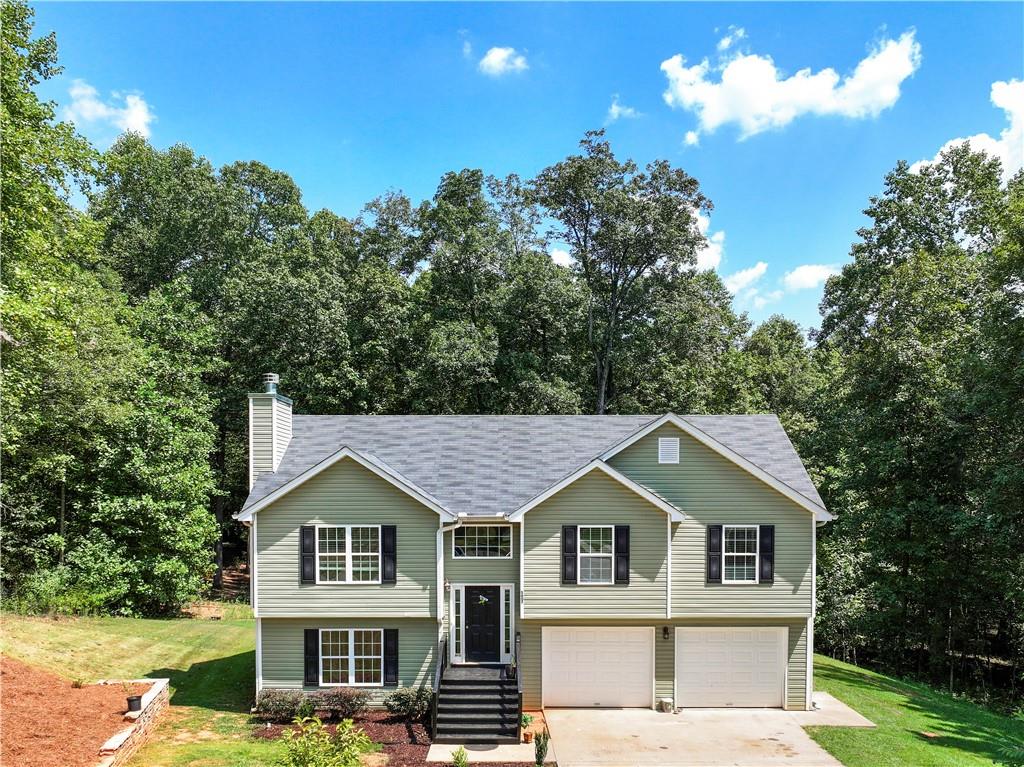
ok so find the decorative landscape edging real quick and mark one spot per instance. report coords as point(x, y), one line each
point(120, 747)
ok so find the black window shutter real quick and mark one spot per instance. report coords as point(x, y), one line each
point(307, 554)
point(622, 554)
point(766, 549)
point(568, 553)
point(388, 552)
point(714, 569)
point(391, 657)
point(311, 677)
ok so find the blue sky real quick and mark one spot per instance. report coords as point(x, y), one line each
point(352, 100)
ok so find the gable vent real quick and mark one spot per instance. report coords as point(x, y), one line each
point(668, 450)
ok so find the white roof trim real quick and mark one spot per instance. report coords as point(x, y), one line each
point(821, 514)
point(369, 462)
point(674, 514)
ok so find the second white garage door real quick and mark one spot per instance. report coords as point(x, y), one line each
point(597, 666)
point(725, 667)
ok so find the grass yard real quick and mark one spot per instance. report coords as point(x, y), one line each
point(211, 665)
point(916, 725)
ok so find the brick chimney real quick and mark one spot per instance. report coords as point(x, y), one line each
point(270, 428)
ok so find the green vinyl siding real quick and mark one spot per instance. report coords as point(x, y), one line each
point(664, 654)
point(262, 434)
point(283, 660)
point(595, 499)
point(710, 489)
point(346, 494)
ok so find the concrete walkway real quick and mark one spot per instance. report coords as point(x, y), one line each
point(696, 737)
point(504, 752)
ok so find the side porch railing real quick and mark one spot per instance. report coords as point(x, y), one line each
point(439, 667)
point(519, 685)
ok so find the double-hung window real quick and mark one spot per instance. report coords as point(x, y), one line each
point(739, 554)
point(596, 554)
point(352, 657)
point(348, 554)
point(482, 542)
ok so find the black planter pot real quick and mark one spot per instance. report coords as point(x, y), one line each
point(135, 703)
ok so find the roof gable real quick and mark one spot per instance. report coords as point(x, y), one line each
point(373, 464)
point(653, 498)
point(686, 425)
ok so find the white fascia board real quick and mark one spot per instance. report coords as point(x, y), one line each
point(796, 496)
point(599, 465)
point(382, 471)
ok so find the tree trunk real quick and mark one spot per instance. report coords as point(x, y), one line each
point(63, 542)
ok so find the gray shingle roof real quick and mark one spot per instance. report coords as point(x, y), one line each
point(491, 465)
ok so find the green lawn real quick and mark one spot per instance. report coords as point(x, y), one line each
point(960, 734)
point(210, 665)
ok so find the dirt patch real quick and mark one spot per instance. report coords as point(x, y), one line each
point(46, 722)
point(404, 744)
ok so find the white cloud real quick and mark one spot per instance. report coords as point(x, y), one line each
point(1009, 147)
point(710, 256)
point(619, 111)
point(500, 61)
point(467, 49)
point(734, 35)
point(692, 138)
point(760, 302)
point(561, 257)
point(808, 276)
point(745, 278)
point(755, 95)
point(126, 112)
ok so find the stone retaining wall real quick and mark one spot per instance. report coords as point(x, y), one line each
point(119, 748)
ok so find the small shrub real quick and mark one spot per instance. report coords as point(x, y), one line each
point(409, 702)
point(306, 708)
point(342, 702)
point(460, 758)
point(278, 705)
point(526, 720)
point(311, 745)
point(78, 684)
point(540, 748)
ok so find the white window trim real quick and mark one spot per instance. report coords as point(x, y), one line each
point(672, 444)
point(580, 555)
point(463, 556)
point(458, 591)
point(351, 657)
point(757, 555)
point(348, 556)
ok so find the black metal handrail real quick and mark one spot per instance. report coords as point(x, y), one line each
point(439, 667)
point(519, 684)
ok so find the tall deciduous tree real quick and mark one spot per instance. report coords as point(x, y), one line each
point(624, 227)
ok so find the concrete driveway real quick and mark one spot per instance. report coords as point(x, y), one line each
point(695, 737)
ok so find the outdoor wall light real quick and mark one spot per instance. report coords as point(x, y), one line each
point(664, 632)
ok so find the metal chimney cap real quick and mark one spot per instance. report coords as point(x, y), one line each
point(270, 381)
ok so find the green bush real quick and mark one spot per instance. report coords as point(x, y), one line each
point(278, 705)
point(306, 707)
point(540, 747)
point(342, 702)
point(311, 745)
point(409, 702)
point(460, 758)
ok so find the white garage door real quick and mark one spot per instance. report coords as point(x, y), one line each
point(719, 667)
point(587, 667)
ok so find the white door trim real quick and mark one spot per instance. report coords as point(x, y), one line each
point(508, 596)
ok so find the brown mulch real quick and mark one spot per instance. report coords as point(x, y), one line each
point(48, 723)
point(404, 743)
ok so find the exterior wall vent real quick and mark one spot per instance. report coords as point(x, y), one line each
point(668, 450)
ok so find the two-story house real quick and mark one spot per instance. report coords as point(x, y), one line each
point(620, 561)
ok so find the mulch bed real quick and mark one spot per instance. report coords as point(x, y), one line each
point(48, 723)
point(404, 743)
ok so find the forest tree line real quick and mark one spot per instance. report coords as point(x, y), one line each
point(134, 325)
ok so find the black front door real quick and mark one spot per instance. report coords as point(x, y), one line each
point(483, 624)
